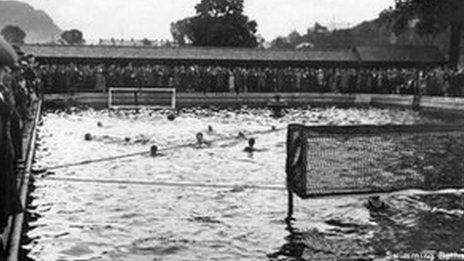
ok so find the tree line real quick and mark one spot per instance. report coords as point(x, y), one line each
point(222, 23)
point(16, 35)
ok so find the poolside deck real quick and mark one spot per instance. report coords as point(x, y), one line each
point(100, 100)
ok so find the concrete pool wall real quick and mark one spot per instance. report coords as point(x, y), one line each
point(100, 100)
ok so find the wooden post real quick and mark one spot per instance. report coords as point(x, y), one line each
point(290, 207)
point(136, 98)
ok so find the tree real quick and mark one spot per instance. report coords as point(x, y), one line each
point(72, 37)
point(431, 17)
point(146, 42)
point(179, 31)
point(281, 43)
point(318, 28)
point(291, 41)
point(217, 23)
point(13, 34)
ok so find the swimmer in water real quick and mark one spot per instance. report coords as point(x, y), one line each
point(251, 146)
point(201, 141)
point(241, 136)
point(171, 117)
point(154, 152)
point(375, 204)
point(238, 139)
point(88, 137)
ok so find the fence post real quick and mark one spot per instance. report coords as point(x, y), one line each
point(290, 207)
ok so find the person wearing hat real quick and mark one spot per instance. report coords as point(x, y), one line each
point(18, 50)
point(9, 198)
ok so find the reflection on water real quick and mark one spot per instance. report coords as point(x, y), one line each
point(410, 224)
point(95, 221)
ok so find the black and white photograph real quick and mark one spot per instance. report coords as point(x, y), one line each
point(197, 130)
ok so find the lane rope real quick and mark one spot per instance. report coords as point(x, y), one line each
point(242, 187)
point(141, 153)
point(168, 184)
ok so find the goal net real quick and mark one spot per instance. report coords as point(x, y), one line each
point(330, 160)
point(135, 98)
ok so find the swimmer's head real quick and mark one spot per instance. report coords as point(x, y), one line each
point(88, 137)
point(251, 142)
point(375, 203)
point(127, 139)
point(199, 137)
point(99, 124)
point(210, 128)
point(153, 150)
point(171, 117)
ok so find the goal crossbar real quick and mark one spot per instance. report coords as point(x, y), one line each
point(136, 98)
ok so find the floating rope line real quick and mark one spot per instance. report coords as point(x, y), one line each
point(168, 184)
point(135, 154)
point(241, 187)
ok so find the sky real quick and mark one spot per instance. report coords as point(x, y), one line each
point(151, 18)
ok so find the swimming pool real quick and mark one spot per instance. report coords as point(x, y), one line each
point(141, 221)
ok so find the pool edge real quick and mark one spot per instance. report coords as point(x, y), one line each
point(15, 234)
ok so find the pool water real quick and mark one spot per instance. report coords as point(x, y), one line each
point(127, 221)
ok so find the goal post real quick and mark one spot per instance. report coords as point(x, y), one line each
point(356, 160)
point(136, 98)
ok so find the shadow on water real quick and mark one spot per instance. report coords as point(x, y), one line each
point(294, 247)
point(325, 245)
point(420, 223)
point(410, 224)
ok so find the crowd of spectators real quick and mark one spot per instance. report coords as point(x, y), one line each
point(437, 81)
point(18, 94)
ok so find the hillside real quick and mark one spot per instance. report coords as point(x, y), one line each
point(38, 26)
point(374, 32)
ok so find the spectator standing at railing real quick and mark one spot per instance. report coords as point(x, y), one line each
point(231, 81)
point(261, 82)
point(9, 199)
point(183, 78)
point(194, 75)
point(150, 76)
point(110, 75)
point(15, 119)
point(20, 101)
point(440, 81)
point(100, 81)
point(305, 84)
point(238, 80)
point(220, 80)
point(175, 79)
point(270, 80)
point(251, 80)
